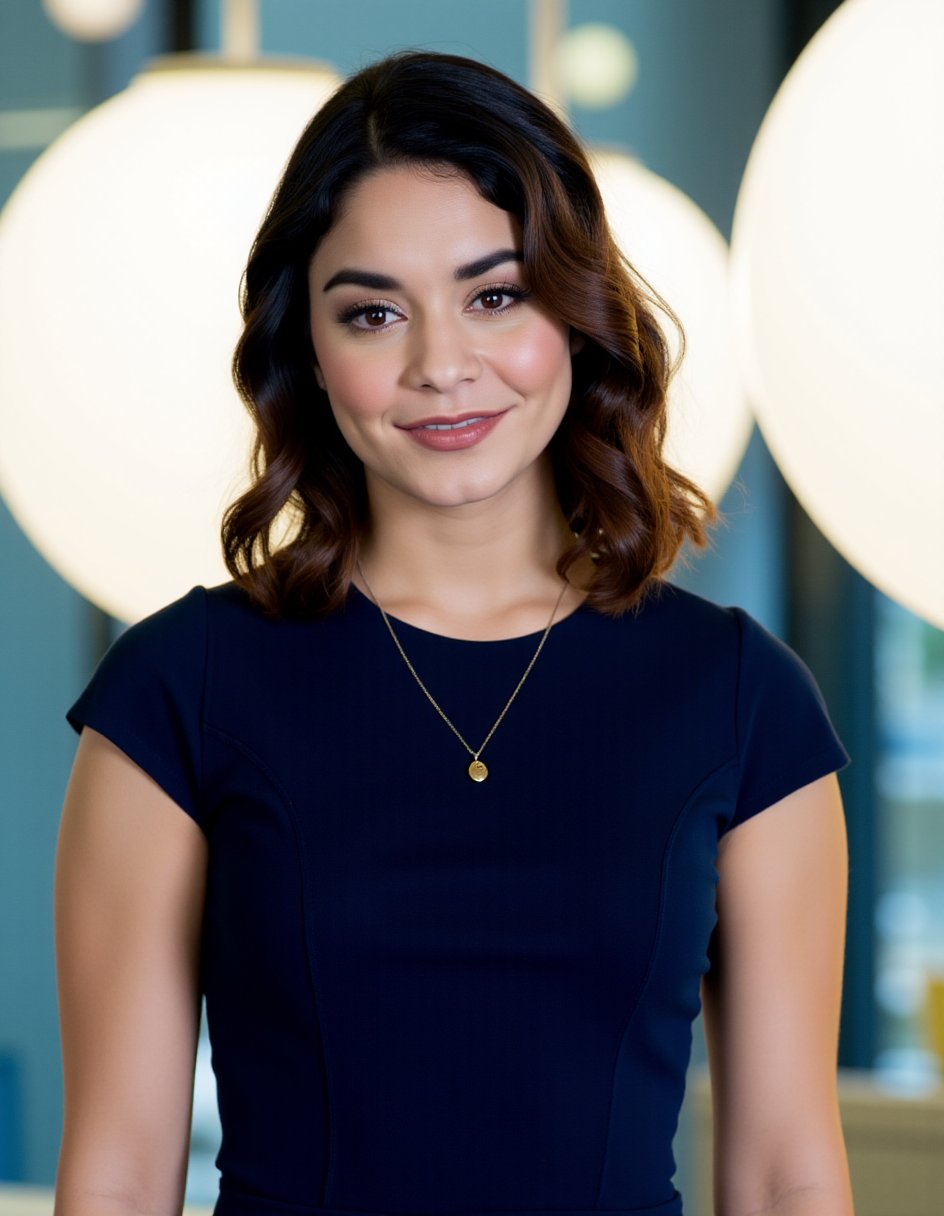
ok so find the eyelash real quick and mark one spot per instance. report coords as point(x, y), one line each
point(349, 315)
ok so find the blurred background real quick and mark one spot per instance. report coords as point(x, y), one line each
point(696, 79)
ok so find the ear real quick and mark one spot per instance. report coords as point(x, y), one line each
point(319, 376)
point(577, 341)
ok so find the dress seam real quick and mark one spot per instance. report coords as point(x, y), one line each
point(204, 694)
point(737, 711)
point(302, 857)
point(653, 955)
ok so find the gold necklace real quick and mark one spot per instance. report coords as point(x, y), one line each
point(476, 770)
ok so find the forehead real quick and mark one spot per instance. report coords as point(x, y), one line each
point(412, 218)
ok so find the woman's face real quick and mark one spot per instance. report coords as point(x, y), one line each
point(445, 377)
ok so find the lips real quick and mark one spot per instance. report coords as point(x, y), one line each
point(451, 426)
point(456, 434)
point(453, 421)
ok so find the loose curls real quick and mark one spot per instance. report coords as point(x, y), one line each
point(629, 510)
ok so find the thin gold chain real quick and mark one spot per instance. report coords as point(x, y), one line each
point(429, 696)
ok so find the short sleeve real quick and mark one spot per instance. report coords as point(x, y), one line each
point(146, 696)
point(784, 733)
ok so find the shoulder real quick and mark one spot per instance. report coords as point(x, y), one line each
point(691, 635)
point(722, 656)
point(146, 696)
point(171, 635)
point(159, 658)
point(673, 604)
point(669, 608)
point(198, 613)
point(736, 670)
point(737, 640)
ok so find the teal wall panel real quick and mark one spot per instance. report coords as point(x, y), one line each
point(351, 36)
point(707, 72)
point(38, 66)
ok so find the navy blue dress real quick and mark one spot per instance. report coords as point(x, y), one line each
point(426, 995)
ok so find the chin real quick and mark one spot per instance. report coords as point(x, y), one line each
point(448, 500)
point(466, 493)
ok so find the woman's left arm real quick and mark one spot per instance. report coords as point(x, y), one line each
point(771, 1010)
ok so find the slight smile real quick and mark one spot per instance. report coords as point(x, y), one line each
point(447, 423)
point(444, 434)
point(450, 426)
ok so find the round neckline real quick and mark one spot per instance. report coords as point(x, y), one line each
point(445, 637)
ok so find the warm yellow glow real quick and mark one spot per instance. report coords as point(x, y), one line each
point(121, 253)
point(674, 245)
point(93, 20)
point(597, 65)
point(838, 265)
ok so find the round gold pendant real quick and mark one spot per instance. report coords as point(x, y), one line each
point(477, 770)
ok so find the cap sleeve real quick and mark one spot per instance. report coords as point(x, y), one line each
point(146, 696)
point(784, 733)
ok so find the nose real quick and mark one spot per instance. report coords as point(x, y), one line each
point(441, 355)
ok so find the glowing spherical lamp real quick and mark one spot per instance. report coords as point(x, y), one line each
point(93, 20)
point(121, 253)
point(837, 272)
point(597, 65)
point(678, 250)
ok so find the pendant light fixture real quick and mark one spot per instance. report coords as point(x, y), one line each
point(121, 252)
point(676, 247)
point(93, 20)
point(838, 260)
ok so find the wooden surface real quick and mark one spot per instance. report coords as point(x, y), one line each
point(37, 1201)
point(895, 1146)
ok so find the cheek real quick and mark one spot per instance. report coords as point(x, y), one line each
point(354, 387)
point(540, 362)
point(357, 383)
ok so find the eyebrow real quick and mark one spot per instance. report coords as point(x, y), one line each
point(383, 282)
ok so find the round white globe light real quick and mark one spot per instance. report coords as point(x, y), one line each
point(679, 251)
point(93, 20)
point(121, 253)
point(597, 65)
point(837, 266)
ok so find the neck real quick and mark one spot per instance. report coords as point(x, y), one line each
point(480, 569)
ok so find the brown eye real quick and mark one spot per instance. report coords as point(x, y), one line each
point(369, 316)
point(499, 298)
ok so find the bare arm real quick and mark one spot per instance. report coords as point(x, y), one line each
point(129, 889)
point(771, 1010)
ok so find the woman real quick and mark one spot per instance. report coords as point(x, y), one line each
point(470, 792)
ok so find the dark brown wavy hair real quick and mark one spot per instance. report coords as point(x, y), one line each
point(628, 509)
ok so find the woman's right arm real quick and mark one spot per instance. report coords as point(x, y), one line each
point(129, 891)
